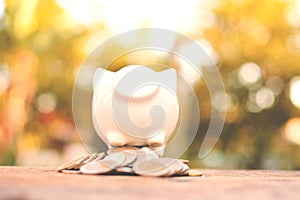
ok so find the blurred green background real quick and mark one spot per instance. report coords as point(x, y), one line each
point(255, 44)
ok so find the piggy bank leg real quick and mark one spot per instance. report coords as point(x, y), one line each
point(157, 143)
point(116, 139)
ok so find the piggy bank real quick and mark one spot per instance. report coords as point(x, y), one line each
point(135, 106)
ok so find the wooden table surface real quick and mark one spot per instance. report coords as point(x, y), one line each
point(43, 183)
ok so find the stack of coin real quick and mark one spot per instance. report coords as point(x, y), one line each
point(74, 165)
point(128, 160)
point(161, 167)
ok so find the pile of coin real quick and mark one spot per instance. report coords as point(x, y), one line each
point(128, 160)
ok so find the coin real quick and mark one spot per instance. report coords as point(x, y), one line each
point(195, 172)
point(142, 161)
point(124, 170)
point(187, 162)
point(72, 163)
point(130, 157)
point(118, 149)
point(99, 167)
point(186, 173)
point(155, 167)
point(143, 155)
point(183, 168)
point(82, 162)
point(174, 168)
point(177, 167)
point(150, 168)
point(119, 157)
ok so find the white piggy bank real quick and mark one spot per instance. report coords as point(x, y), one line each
point(135, 106)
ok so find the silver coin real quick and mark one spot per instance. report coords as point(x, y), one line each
point(172, 164)
point(182, 168)
point(187, 162)
point(119, 157)
point(99, 167)
point(98, 156)
point(143, 155)
point(155, 167)
point(72, 163)
point(130, 157)
point(82, 162)
point(143, 161)
point(174, 169)
point(185, 169)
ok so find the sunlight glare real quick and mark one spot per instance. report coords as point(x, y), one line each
point(292, 15)
point(120, 16)
point(291, 130)
point(2, 9)
point(295, 91)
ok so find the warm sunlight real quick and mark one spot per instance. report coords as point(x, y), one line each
point(121, 16)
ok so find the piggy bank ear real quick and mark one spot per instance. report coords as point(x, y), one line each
point(100, 73)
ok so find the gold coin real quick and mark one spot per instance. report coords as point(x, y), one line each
point(118, 149)
point(195, 172)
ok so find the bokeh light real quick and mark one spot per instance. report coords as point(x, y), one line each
point(264, 98)
point(295, 91)
point(291, 130)
point(160, 14)
point(231, 102)
point(293, 14)
point(250, 73)
point(4, 78)
point(276, 84)
point(257, 51)
point(293, 42)
point(2, 9)
point(46, 102)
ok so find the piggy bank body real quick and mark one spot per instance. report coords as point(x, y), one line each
point(135, 106)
